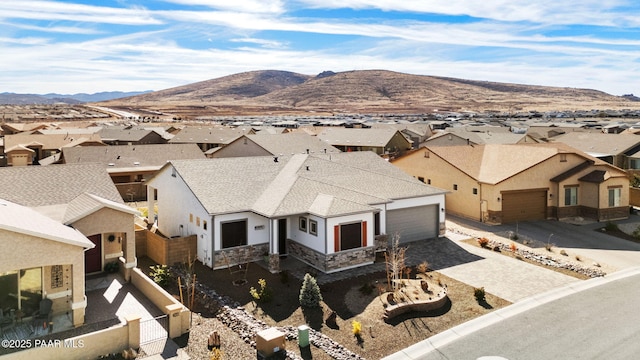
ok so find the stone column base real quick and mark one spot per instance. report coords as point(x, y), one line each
point(274, 263)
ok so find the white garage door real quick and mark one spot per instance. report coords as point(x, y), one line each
point(415, 223)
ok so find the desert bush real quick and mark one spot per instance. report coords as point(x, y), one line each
point(356, 328)
point(563, 252)
point(310, 296)
point(549, 247)
point(636, 233)
point(264, 294)
point(366, 288)
point(479, 294)
point(160, 274)
point(610, 226)
point(513, 247)
point(483, 242)
point(111, 267)
point(423, 268)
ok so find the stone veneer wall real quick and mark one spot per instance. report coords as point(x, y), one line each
point(239, 255)
point(332, 262)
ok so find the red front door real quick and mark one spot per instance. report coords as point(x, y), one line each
point(93, 257)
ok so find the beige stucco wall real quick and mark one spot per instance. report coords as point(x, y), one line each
point(461, 202)
point(20, 251)
point(464, 203)
point(20, 158)
point(107, 221)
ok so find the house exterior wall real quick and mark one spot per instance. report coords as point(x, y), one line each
point(461, 202)
point(179, 212)
point(20, 158)
point(39, 252)
point(305, 238)
point(257, 228)
point(398, 143)
point(107, 222)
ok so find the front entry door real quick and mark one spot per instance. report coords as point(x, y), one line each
point(282, 236)
point(93, 257)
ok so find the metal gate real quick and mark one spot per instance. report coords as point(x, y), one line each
point(153, 329)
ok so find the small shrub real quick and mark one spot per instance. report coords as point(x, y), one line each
point(310, 296)
point(549, 247)
point(562, 252)
point(264, 295)
point(479, 294)
point(610, 226)
point(636, 233)
point(160, 274)
point(513, 247)
point(514, 236)
point(366, 288)
point(423, 267)
point(216, 354)
point(483, 242)
point(111, 267)
point(578, 258)
point(356, 328)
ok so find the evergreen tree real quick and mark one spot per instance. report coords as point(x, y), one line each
point(310, 296)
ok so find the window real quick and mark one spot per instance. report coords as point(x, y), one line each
point(302, 223)
point(563, 157)
point(475, 191)
point(634, 163)
point(376, 223)
point(313, 227)
point(429, 181)
point(190, 218)
point(198, 221)
point(24, 290)
point(234, 233)
point(571, 196)
point(57, 276)
point(421, 179)
point(204, 224)
point(614, 196)
point(455, 186)
point(350, 236)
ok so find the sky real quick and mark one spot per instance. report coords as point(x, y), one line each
point(88, 46)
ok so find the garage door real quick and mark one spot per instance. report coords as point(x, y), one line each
point(524, 205)
point(416, 223)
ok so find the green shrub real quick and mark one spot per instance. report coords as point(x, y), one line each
point(610, 226)
point(479, 294)
point(284, 276)
point(160, 274)
point(366, 288)
point(264, 295)
point(111, 267)
point(310, 296)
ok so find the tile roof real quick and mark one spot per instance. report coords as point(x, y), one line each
point(357, 137)
point(21, 219)
point(599, 144)
point(294, 184)
point(36, 186)
point(127, 156)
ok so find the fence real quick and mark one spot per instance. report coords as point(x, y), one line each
point(153, 329)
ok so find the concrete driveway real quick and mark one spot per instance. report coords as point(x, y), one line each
point(580, 239)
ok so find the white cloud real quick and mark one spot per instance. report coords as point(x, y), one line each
point(58, 11)
point(272, 44)
point(250, 6)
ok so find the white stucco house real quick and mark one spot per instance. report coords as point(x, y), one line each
point(324, 209)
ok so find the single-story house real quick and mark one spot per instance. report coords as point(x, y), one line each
point(620, 150)
point(384, 141)
point(81, 196)
point(40, 258)
point(209, 138)
point(29, 149)
point(131, 165)
point(477, 135)
point(324, 209)
point(274, 145)
point(499, 183)
point(128, 135)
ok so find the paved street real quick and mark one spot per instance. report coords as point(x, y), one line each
point(597, 319)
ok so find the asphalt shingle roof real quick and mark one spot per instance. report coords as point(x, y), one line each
point(291, 143)
point(126, 156)
point(357, 137)
point(35, 186)
point(298, 184)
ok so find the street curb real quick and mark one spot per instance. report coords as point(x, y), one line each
point(426, 346)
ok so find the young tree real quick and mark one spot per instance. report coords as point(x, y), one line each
point(310, 296)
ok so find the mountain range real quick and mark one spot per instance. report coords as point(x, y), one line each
point(362, 91)
point(8, 98)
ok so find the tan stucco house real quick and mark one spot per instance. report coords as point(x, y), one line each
point(40, 258)
point(498, 183)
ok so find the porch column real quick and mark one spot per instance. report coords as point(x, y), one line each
point(78, 299)
point(274, 256)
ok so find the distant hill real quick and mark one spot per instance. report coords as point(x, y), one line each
point(362, 91)
point(52, 98)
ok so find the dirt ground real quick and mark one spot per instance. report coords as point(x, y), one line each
point(348, 298)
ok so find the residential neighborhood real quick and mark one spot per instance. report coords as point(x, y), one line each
point(94, 208)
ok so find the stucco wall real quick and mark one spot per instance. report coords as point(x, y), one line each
point(240, 148)
point(20, 251)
